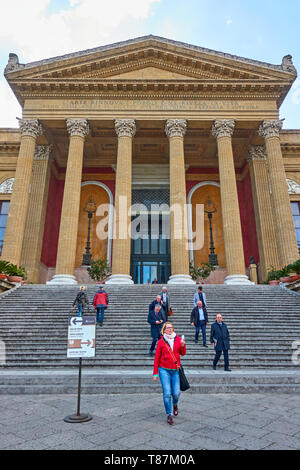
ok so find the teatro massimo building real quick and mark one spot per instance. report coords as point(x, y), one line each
point(149, 121)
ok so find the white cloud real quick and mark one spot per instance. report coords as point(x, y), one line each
point(85, 24)
point(296, 92)
point(228, 21)
point(10, 108)
point(29, 30)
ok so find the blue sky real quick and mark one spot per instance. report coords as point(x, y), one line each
point(264, 30)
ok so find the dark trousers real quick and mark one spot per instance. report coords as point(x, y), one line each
point(226, 358)
point(202, 326)
point(100, 314)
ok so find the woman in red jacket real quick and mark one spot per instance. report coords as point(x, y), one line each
point(166, 364)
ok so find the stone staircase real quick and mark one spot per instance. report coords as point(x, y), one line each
point(263, 322)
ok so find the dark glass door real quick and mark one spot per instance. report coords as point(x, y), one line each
point(150, 256)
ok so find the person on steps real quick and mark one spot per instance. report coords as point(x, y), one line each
point(219, 337)
point(166, 364)
point(100, 303)
point(80, 301)
point(156, 320)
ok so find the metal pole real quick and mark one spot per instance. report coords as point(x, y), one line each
point(79, 387)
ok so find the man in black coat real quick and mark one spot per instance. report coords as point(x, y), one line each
point(158, 301)
point(219, 333)
point(199, 319)
point(156, 320)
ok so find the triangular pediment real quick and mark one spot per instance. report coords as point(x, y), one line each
point(150, 63)
point(149, 73)
point(142, 54)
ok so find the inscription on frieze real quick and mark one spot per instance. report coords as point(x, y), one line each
point(148, 105)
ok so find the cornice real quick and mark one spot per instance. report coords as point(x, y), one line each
point(166, 46)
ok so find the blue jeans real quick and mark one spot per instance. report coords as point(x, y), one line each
point(100, 310)
point(170, 383)
point(80, 310)
point(203, 328)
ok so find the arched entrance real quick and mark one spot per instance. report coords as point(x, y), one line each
point(100, 194)
point(199, 194)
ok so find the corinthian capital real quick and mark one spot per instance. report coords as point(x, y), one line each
point(78, 127)
point(257, 152)
point(223, 128)
point(270, 128)
point(176, 127)
point(31, 127)
point(125, 127)
point(43, 152)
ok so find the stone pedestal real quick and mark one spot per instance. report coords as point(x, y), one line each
point(15, 228)
point(175, 130)
point(67, 242)
point(125, 129)
point(233, 240)
point(285, 229)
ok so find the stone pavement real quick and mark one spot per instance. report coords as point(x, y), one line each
point(137, 422)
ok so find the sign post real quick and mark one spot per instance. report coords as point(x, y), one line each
point(81, 344)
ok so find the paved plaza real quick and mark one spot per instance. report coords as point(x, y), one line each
point(134, 422)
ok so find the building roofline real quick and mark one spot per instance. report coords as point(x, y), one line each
point(159, 39)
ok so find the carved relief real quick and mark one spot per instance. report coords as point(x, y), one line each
point(125, 127)
point(287, 64)
point(270, 128)
point(293, 186)
point(43, 152)
point(257, 152)
point(223, 128)
point(78, 127)
point(31, 127)
point(13, 64)
point(7, 186)
point(176, 127)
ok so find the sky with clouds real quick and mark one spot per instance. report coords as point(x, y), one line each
point(264, 30)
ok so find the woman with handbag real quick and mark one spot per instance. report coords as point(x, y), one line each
point(166, 366)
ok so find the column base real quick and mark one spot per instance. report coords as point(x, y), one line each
point(238, 280)
point(120, 279)
point(181, 279)
point(60, 279)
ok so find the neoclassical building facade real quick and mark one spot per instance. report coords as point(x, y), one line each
point(149, 121)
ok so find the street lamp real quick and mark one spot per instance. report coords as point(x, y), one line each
point(210, 209)
point(90, 208)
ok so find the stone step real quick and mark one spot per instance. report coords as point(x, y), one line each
point(99, 382)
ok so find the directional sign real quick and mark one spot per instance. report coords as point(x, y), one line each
point(81, 337)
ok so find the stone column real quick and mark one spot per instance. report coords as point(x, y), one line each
point(233, 240)
point(125, 129)
point(284, 224)
point(34, 228)
point(78, 129)
point(175, 130)
point(264, 219)
point(14, 233)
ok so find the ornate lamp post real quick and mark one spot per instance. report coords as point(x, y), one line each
point(90, 208)
point(210, 209)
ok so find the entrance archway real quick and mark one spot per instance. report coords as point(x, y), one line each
point(101, 194)
point(198, 195)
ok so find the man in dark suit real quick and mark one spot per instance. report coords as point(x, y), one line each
point(199, 319)
point(158, 301)
point(156, 320)
point(219, 333)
